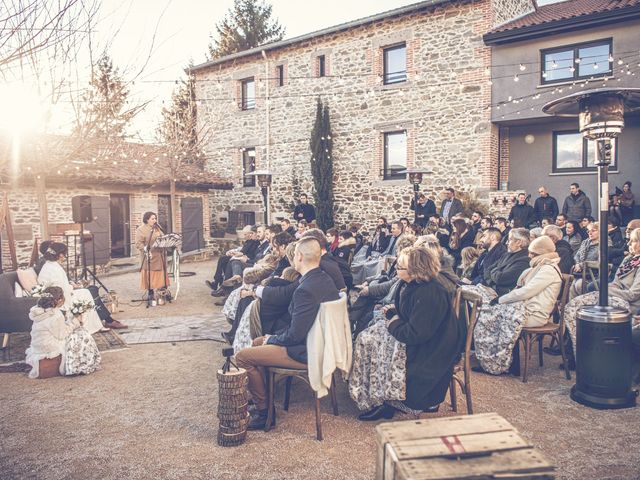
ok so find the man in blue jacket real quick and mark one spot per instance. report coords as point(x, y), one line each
point(288, 349)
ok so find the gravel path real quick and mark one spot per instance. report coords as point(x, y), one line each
point(150, 413)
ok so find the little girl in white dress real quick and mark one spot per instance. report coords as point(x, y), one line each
point(52, 335)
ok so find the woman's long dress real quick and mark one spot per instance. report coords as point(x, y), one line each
point(52, 274)
point(157, 272)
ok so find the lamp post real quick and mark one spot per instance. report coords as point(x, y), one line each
point(264, 178)
point(415, 178)
point(603, 333)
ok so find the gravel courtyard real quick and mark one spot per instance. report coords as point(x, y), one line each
point(151, 413)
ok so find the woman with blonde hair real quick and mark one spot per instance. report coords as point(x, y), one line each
point(405, 359)
point(469, 257)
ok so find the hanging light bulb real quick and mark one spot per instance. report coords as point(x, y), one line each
point(620, 62)
point(516, 78)
point(544, 74)
point(572, 69)
point(595, 65)
point(578, 60)
point(610, 58)
point(522, 67)
point(554, 64)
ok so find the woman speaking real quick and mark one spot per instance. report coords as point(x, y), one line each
point(153, 270)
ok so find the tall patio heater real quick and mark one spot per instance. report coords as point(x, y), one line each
point(603, 333)
point(415, 178)
point(264, 178)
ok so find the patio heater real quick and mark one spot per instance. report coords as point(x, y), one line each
point(415, 178)
point(264, 181)
point(603, 333)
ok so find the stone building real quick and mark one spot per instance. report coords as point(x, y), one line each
point(406, 88)
point(555, 51)
point(123, 182)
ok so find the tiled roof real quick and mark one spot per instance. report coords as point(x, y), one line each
point(570, 9)
point(95, 163)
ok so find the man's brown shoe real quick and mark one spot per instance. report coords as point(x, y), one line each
point(233, 281)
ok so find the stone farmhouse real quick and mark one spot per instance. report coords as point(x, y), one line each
point(123, 182)
point(407, 88)
point(557, 50)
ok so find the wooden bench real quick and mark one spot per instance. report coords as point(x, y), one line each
point(471, 446)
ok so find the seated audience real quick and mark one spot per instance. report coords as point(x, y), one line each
point(494, 250)
point(469, 256)
point(374, 264)
point(589, 250)
point(485, 223)
point(302, 227)
point(507, 270)
point(461, 236)
point(380, 240)
point(535, 233)
point(333, 239)
point(252, 237)
point(288, 348)
point(561, 221)
point(615, 234)
point(287, 227)
point(573, 235)
point(52, 335)
point(528, 305)
point(624, 290)
point(344, 255)
point(562, 247)
point(501, 224)
point(405, 359)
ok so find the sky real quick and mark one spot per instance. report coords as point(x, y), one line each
point(167, 34)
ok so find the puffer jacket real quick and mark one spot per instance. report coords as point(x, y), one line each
point(576, 207)
point(539, 293)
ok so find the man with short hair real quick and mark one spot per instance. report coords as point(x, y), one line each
point(451, 206)
point(545, 206)
point(504, 275)
point(577, 205)
point(522, 213)
point(561, 221)
point(287, 227)
point(304, 210)
point(494, 250)
point(424, 209)
point(502, 225)
point(249, 248)
point(288, 349)
point(562, 247)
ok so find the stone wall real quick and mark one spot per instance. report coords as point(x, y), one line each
point(506, 10)
point(26, 223)
point(444, 108)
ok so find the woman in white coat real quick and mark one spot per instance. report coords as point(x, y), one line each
point(53, 275)
point(529, 305)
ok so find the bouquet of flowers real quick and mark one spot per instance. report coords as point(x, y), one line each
point(78, 307)
point(38, 290)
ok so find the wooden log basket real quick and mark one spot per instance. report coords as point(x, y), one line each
point(232, 407)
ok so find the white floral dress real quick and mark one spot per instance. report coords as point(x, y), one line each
point(82, 354)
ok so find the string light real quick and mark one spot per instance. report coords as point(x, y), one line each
point(522, 67)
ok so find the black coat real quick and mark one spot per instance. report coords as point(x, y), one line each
point(304, 211)
point(507, 270)
point(315, 288)
point(566, 256)
point(546, 207)
point(486, 262)
point(249, 248)
point(273, 317)
point(522, 213)
point(424, 211)
point(433, 339)
point(329, 265)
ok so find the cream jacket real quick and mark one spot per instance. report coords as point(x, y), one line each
point(539, 293)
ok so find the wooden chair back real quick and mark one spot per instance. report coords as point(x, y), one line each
point(588, 273)
point(563, 298)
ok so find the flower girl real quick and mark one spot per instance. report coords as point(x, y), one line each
point(52, 335)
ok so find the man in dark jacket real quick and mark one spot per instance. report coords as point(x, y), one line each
point(252, 238)
point(288, 349)
point(545, 206)
point(577, 205)
point(508, 269)
point(287, 227)
point(494, 251)
point(304, 210)
point(522, 212)
point(503, 226)
point(425, 209)
point(563, 248)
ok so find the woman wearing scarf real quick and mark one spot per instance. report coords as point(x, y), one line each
point(528, 305)
point(624, 291)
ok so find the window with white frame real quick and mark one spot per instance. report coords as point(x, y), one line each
point(395, 155)
point(248, 87)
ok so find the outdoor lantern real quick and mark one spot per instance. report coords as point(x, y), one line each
point(415, 178)
point(603, 334)
point(263, 178)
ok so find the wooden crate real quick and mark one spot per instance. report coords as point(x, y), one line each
point(482, 446)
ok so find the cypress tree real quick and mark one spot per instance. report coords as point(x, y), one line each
point(322, 166)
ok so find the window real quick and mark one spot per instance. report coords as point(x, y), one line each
point(574, 153)
point(395, 155)
point(576, 62)
point(248, 94)
point(395, 64)
point(248, 166)
point(322, 66)
point(280, 75)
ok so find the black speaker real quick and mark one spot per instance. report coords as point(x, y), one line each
point(81, 207)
